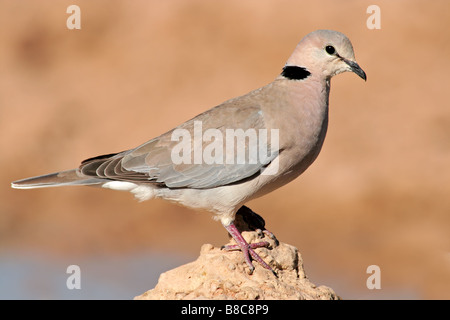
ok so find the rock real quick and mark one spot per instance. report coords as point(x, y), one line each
point(219, 274)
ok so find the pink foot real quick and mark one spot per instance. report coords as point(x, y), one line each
point(246, 248)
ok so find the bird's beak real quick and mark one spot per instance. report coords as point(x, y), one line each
point(354, 67)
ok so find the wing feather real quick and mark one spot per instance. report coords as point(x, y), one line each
point(152, 162)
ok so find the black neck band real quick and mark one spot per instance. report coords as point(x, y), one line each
point(295, 73)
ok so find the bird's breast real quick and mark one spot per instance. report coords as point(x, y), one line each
point(302, 130)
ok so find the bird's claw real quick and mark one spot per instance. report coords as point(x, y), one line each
point(247, 248)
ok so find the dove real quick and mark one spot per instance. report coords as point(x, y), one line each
point(235, 152)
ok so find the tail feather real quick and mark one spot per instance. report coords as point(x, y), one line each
point(57, 179)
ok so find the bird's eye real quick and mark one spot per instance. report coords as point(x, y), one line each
point(330, 49)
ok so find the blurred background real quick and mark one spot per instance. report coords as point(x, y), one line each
point(378, 194)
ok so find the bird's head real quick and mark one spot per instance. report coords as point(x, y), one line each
point(326, 53)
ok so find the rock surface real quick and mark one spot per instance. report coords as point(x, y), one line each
point(219, 274)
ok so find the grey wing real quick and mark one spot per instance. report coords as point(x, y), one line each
point(196, 154)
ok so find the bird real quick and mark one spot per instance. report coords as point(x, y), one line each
point(276, 132)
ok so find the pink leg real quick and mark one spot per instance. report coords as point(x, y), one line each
point(246, 248)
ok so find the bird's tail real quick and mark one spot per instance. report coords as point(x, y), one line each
point(57, 179)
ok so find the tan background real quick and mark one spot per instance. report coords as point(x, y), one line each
point(379, 193)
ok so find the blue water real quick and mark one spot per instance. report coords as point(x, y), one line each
point(31, 275)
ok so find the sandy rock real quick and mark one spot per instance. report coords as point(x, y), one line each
point(219, 274)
